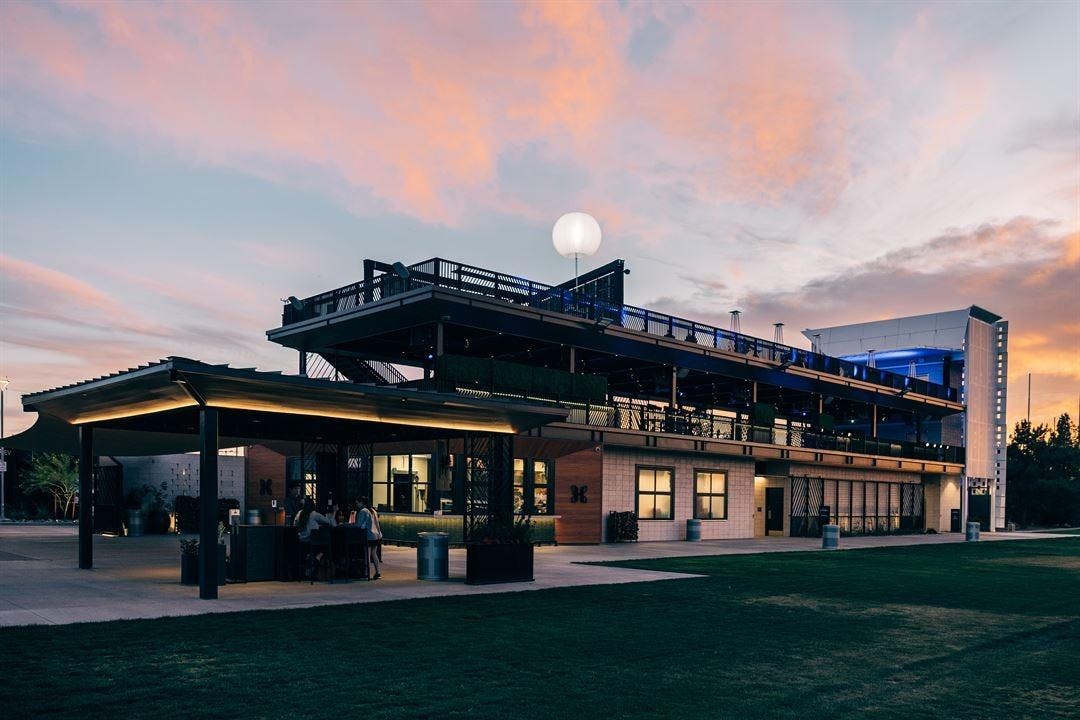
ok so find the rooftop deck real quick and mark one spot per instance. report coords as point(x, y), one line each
point(572, 301)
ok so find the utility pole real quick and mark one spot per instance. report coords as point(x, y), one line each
point(1029, 399)
point(3, 451)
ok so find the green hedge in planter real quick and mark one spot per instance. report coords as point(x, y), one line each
point(622, 527)
point(187, 512)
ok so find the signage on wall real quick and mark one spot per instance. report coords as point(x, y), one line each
point(266, 486)
point(577, 493)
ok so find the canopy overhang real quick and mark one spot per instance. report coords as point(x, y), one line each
point(155, 408)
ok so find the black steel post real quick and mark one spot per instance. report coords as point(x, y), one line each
point(208, 503)
point(86, 497)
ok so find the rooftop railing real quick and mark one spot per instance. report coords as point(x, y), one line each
point(647, 417)
point(521, 291)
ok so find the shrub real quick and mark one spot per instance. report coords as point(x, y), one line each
point(187, 512)
point(622, 526)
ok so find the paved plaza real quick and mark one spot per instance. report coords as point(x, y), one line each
point(40, 582)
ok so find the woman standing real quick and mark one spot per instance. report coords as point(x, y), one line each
point(368, 519)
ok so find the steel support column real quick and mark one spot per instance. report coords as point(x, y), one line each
point(208, 503)
point(86, 497)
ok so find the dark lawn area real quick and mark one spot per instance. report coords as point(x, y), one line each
point(975, 630)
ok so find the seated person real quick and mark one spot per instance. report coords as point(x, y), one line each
point(309, 519)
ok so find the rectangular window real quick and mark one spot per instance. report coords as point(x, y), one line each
point(400, 483)
point(710, 495)
point(533, 489)
point(655, 493)
point(519, 486)
point(541, 481)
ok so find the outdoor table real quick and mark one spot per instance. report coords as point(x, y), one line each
point(350, 545)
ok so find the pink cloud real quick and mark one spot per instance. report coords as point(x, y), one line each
point(413, 105)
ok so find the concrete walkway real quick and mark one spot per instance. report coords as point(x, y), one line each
point(40, 582)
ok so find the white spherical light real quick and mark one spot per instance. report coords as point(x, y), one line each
point(576, 234)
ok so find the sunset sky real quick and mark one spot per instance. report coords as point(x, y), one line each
point(168, 172)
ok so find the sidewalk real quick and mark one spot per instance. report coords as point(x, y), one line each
point(139, 577)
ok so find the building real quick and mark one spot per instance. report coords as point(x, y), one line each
point(966, 349)
point(667, 417)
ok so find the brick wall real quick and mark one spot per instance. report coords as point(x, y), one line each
point(263, 464)
point(620, 480)
point(180, 473)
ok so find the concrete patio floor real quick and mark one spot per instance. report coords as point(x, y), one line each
point(40, 582)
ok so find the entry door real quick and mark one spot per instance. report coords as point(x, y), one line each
point(774, 509)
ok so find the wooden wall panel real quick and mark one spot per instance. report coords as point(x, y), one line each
point(264, 464)
point(579, 522)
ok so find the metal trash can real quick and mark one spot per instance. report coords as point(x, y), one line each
point(433, 556)
point(253, 517)
point(830, 537)
point(693, 530)
point(972, 532)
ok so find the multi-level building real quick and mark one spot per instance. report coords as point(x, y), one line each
point(669, 418)
point(967, 350)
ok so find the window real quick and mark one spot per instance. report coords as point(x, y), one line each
point(710, 495)
point(533, 486)
point(541, 481)
point(655, 493)
point(399, 483)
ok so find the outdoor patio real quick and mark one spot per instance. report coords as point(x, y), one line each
point(40, 582)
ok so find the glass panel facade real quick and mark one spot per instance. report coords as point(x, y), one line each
point(400, 483)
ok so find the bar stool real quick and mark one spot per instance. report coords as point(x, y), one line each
point(319, 541)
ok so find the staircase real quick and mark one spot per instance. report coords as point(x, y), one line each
point(371, 372)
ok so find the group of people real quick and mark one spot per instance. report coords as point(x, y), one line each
point(363, 516)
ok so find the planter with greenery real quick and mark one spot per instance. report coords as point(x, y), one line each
point(136, 516)
point(622, 527)
point(504, 555)
point(189, 559)
point(189, 562)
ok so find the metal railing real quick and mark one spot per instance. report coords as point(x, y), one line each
point(710, 424)
point(521, 291)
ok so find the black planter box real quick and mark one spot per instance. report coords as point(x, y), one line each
point(189, 568)
point(487, 564)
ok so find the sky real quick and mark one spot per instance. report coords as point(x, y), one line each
point(169, 172)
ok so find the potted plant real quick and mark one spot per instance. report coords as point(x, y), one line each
point(136, 515)
point(156, 509)
point(189, 559)
point(504, 554)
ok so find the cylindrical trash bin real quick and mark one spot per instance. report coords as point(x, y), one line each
point(433, 556)
point(135, 523)
point(830, 537)
point(253, 517)
point(693, 530)
point(972, 532)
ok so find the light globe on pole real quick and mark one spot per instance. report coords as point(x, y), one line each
point(576, 235)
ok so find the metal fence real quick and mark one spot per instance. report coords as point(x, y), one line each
point(490, 283)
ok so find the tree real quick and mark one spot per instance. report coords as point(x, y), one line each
point(56, 474)
point(1044, 474)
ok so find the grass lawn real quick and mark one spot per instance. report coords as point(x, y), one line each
point(975, 630)
point(1063, 531)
